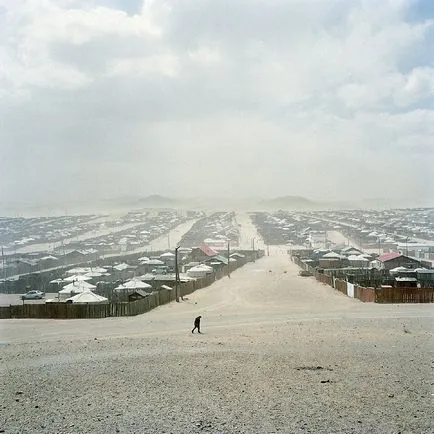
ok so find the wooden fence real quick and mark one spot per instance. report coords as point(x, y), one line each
point(367, 295)
point(404, 295)
point(372, 295)
point(323, 278)
point(341, 285)
point(81, 311)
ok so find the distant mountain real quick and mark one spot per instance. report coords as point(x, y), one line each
point(122, 204)
point(290, 202)
point(157, 201)
point(152, 201)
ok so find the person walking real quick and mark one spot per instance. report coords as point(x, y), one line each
point(197, 324)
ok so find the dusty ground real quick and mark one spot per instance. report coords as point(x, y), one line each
point(278, 353)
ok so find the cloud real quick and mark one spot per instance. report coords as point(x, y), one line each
point(164, 64)
point(224, 98)
point(418, 86)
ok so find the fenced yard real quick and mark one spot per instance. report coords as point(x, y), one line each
point(371, 295)
point(82, 311)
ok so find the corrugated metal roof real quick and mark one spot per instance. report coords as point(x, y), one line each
point(220, 258)
point(405, 279)
point(140, 292)
point(207, 250)
point(389, 256)
point(332, 255)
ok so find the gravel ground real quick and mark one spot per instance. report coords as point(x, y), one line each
point(278, 353)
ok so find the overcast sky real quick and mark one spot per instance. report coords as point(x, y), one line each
point(328, 99)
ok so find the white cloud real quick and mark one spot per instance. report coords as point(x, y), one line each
point(419, 86)
point(306, 95)
point(30, 29)
point(164, 64)
point(205, 55)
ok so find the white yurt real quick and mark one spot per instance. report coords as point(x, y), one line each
point(133, 284)
point(167, 255)
point(199, 271)
point(87, 297)
point(121, 267)
point(75, 288)
point(77, 278)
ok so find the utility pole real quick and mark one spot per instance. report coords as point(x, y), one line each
point(253, 249)
point(268, 240)
point(168, 239)
point(176, 274)
point(229, 259)
point(4, 267)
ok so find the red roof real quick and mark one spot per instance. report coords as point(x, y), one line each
point(208, 251)
point(389, 256)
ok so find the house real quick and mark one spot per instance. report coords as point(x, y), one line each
point(48, 261)
point(392, 260)
point(415, 248)
point(186, 267)
point(26, 266)
point(122, 271)
point(330, 262)
point(406, 282)
point(202, 253)
point(74, 257)
point(159, 280)
point(217, 259)
point(152, 264)
point(358, 261)
point(425, 277)
point(351, 251)
point(217, 262)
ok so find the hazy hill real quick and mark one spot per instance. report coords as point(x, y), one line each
point(124, 204)
point(290, 202)
point(157, 201)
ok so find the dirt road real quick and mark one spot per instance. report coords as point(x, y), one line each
point(248, 232)
point(278, 353)
point(172, 238)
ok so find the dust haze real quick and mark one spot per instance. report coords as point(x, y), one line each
point(110, 102)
